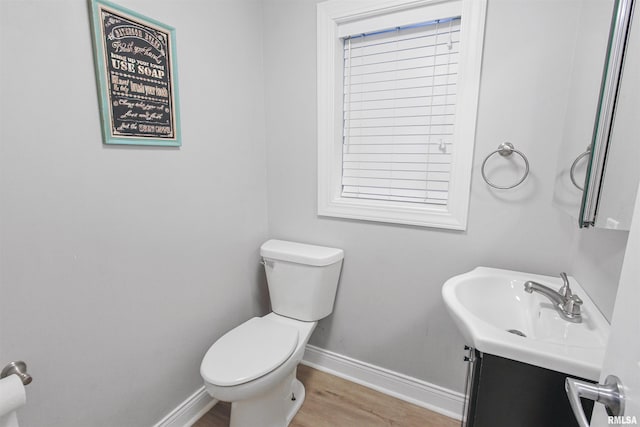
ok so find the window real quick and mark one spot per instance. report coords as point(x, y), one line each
point(399, 112)
point(397, 99)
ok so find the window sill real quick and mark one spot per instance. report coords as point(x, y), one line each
point(392, 212)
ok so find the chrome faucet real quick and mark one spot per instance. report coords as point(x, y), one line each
point(567, 304)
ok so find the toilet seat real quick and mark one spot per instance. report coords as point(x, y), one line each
point(251, 350)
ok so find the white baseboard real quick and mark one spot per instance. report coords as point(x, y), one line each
point(189, 411)
point(412, 390)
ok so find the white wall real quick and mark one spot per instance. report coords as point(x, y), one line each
point(389, 311)
point(119, 266)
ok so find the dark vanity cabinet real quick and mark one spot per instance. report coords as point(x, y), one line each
point(504, 393)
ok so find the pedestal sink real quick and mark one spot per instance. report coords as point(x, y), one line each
point(496, 316)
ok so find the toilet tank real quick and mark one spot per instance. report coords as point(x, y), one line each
point(302, 278)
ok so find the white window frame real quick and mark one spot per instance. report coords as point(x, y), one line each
point(340, 18)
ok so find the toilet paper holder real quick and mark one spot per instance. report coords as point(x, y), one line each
point(18, 368)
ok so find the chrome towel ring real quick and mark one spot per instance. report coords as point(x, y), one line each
point(506, 149)
point(573, 168)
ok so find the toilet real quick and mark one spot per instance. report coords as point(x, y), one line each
point(254, 365)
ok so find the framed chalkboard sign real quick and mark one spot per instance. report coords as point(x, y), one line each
point(135, 59)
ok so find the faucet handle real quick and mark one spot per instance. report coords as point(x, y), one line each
point(565, 290)
point(573, 305)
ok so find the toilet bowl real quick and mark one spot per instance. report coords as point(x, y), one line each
point(254, 365)
point(272, 397)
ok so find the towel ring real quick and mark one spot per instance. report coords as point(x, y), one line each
point(573, 168)
point(506, 149)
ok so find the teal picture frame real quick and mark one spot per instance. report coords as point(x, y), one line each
point(137, 77)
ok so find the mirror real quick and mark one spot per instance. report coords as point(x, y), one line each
point(597, 174)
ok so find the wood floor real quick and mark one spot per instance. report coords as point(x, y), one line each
point(333, 402)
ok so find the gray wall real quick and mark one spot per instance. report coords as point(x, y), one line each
point(124, 264)
point(389, 311)
point(120, 266)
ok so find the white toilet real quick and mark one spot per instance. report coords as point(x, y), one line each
point(254, 365)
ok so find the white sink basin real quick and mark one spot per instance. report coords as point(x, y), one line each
point(486, 303)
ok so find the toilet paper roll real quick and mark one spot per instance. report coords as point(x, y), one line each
point(12, 395)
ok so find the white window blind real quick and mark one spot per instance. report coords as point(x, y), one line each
point(399, 113)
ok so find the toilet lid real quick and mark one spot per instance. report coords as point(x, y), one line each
point(251, 350)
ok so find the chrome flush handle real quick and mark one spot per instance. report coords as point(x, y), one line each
point(266, 263)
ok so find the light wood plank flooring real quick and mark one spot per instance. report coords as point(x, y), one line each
point(333, 402)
